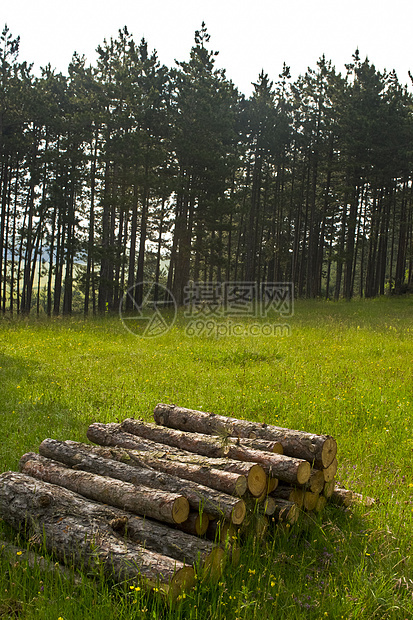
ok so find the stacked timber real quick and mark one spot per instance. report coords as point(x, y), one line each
point(168, 501)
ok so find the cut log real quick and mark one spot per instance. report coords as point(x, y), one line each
point(277, 465)
point(272, 484)
point(154, 503)
point(226, 482)
point(269, 505)
point(291, 494)
point(330, 471)
point(196, 524)
point(111, 436)
point(205, 556)
point(256, 524)
point(342, 497)
point(286, 512)
point(345, 497)
point(71, 529)
point(321, 504)
point(316, 482)
point(257, 444)
point(363, 499)
point(221, 531)
point(310, 500)
point(151, 534)
point(329, 488)
point(319, 450)
point(199, 496)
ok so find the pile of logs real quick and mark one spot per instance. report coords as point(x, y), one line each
point(167, 502)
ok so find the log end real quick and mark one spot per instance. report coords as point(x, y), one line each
point(297, 496)
point(257, 480)
point(182, 581)
point(293, 515)
point(303, 472)
point(213, 565)
point(272, 484)
point(321, 504)
point(241, 486)
point(180, 509)
point(316, 484)
point(330, 471)
point(269, 506)
point(329, 488)
point(201, 524)
point(277, 448)
point(310, 500)
point(328, 452)
point(238, 512)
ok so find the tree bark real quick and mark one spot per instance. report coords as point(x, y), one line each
point(285, 468)
point(110, 435)
point(79, 532)
point(199, 496)
point(319, 450)
point(226, 482)
point(142, 500)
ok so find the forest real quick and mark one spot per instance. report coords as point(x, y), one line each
point(129, 171)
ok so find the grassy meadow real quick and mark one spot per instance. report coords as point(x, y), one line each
point(345, 370)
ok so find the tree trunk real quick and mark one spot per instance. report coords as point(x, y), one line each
point(161, 505)
point(317, 449)
point(111, 435)
point(199, 497)
point(79, 532)
point(282, 467)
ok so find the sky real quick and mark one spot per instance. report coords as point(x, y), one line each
point(249, 35)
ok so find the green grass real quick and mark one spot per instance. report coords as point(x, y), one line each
point(346, 370)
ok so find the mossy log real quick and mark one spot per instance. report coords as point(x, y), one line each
point(320, 450)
